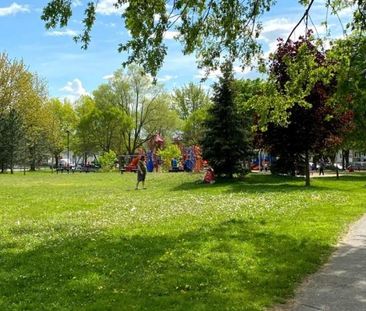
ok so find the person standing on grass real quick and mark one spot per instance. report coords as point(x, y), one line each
point(321, 167)
point(141, 172)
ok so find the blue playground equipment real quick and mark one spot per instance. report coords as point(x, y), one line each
point(190, 160)
point(150, 162)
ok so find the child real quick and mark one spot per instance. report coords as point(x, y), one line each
point(141, 172)
point(209, 177)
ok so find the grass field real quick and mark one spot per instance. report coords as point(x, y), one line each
point(89, 241)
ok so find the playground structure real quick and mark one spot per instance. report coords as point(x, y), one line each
point(152, 159)
point(132, 165)
point(262, 161)
point(190, 159)
point(193, 159)
point(155, 144)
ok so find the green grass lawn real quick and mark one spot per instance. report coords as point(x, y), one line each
point(89, 241)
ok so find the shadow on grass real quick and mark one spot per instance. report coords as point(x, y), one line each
point(361, 177)
point(255, 184)
point(235, 265)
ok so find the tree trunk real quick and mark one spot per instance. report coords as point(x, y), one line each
point(32, 159)
point(33, 166)
point(12, 161)
point(333, 159)
point(11, 165)
point(56, 160)
point(346, 153)
point(307, 172)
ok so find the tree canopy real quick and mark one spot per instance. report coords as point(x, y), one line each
point(23, 117)
point(191, 103)
point(348, 55)
point(216, 30)
point(304, 83)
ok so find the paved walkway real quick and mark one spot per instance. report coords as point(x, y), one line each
point(341, 284)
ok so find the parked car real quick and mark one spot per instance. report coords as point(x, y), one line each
point(357, 166)
point(331, 166)
point(86, 168)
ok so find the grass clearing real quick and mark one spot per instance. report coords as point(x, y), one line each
point(89, 241)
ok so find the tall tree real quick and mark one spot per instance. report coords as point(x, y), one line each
point(246, 89)
point(225, 143)
point(84, 140)
point(62, 121)
point(13, 89)
point(191, 102)
point(109, 122)
point(143, 101)
point(11, 142)
point(36, 119)
point(301, 121)
point(194, 126)
point(188, 99)
point(348, 57)
point(22, 95)
point(166, 121)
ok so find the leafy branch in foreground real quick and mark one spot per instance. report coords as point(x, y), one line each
point(216, 31)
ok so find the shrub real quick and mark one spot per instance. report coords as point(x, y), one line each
point(107, 160)
point(170, 152)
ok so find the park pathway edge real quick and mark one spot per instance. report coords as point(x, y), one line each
point(340, 285)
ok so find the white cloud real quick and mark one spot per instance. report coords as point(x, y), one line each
point(277, 28)
point(74, 90)
point(346, 12)
point(211, 75)
point(240, 71)
point(106, 7)
point(62, 33)
point(13, 9)
point(280, 28)
point(108, 77)
point(217, 73)
point(169, 35)
point(76, 3)
point(108, 25)
point(166, 78)
point(285, 21)
point(277, 25)
point(272, 47)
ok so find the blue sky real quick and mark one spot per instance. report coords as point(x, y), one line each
point(71, 72)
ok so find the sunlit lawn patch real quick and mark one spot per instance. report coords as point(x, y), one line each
point(89, 241)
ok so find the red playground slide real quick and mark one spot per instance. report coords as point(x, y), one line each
point(133, 164)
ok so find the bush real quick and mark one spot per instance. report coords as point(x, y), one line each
point(107, 160)
point(170, 152)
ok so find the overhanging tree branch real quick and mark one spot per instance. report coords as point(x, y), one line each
point(306, 13)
